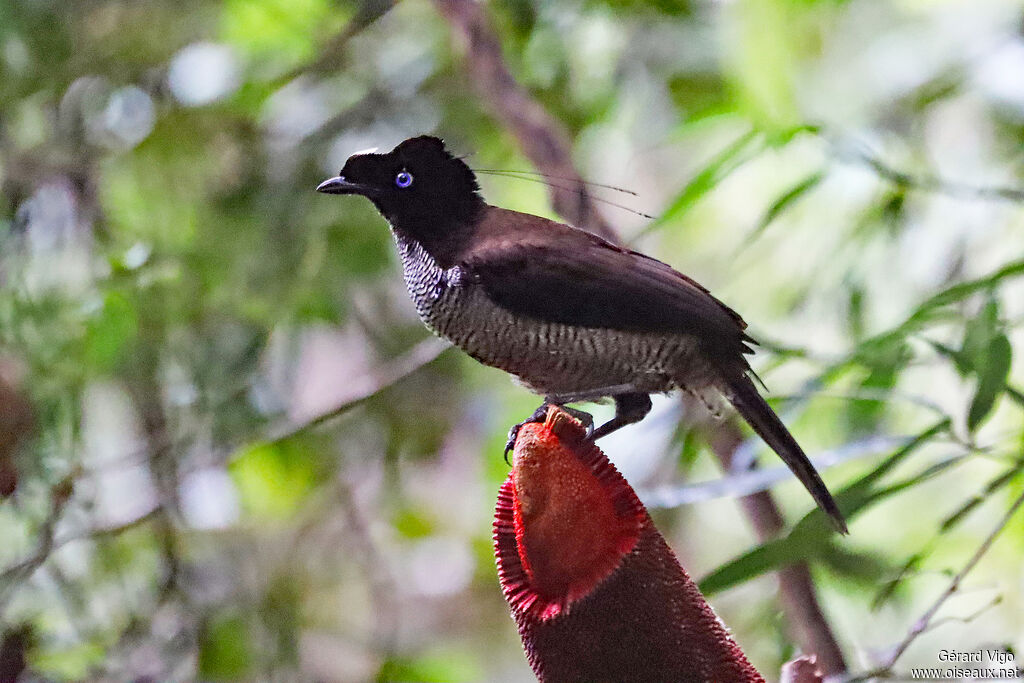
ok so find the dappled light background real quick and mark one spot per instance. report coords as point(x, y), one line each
point(230, 451)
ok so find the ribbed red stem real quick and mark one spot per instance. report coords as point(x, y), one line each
point(596, 592)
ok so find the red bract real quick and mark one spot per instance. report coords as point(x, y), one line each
point(596, 592)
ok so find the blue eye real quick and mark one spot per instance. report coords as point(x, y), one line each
point(403, 179)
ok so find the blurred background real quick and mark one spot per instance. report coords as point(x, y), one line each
point(230, 451)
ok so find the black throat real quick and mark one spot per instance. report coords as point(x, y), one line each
point(443, 229)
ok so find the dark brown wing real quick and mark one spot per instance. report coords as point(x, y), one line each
point(556, 273)
point(550, 271)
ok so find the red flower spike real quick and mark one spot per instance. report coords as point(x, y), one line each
point(596, 592)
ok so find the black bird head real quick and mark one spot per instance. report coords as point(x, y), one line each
point(418, 186)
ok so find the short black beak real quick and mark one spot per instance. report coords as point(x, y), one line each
point(338, 185)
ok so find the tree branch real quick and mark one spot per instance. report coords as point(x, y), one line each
point(544, 142)
point(797, 592)
point(60, 494)
point(923, 623)
point(400, 368)
point(543, 139)
point(734, 485)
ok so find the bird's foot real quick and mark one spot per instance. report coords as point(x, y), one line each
point(586, 418)
point(540, 415)
point(629, 408)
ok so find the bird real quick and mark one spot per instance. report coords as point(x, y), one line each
point(570, 315)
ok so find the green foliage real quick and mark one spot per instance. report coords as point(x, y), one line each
point(446, 666)
point(70, 664)
point(785, 201)
point(174, 298)
point(720, 166)
point(279, 30)
point(110, 332)
point(274, 478)
point(812, 537)
point(225, 651)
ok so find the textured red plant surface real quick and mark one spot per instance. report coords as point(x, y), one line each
point(596, 592)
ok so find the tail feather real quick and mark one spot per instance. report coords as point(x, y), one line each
point(744, 396)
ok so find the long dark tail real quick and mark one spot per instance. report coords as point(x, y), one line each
point(744, 396)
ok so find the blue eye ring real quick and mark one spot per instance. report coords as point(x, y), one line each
point(403, 179)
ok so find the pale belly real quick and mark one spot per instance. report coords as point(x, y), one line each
point(551, 359)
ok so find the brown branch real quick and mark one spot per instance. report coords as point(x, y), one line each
point(543, 139)
point(60, 494)
point(143, 385)
point(398, 369)
point(797, 592)
point(331, 56)
point(14, 644)
point(17, 423)
point(801, 670)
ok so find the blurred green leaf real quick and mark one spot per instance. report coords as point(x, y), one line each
point(991, 488)
point(274, 478)
point(413, 523)
point(691, 446)
point(110, 332)
point(285, 30)
point(716, 170)
point(864, 568)
point(762, 66)
point(962, 365)
point(225, 650)
point(1015, 395)
point(978, 334)
point(884, 362)
point(961, 291)
point(986, 353)
point(699, 94)
point(784, 201)
point(69, 664)
point(992, 374)
point(445, 666)
point(813, 535)
point(761, 560)
point(855, 311)
point(928, 311)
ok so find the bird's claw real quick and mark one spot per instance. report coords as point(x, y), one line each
point(539, 415)
point(585, 418)
point(510, 444)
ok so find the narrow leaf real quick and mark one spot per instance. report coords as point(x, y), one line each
point(991, 380)
point(961, 291)
point(761, 560)
point(858, 566)
point(811, 537)
point(724, 163)
point(994, 485)
point(1016, 395)
point(889, 587)
point(978, 334)
point(784, 201)
point(963, 364)
point(949, 523)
